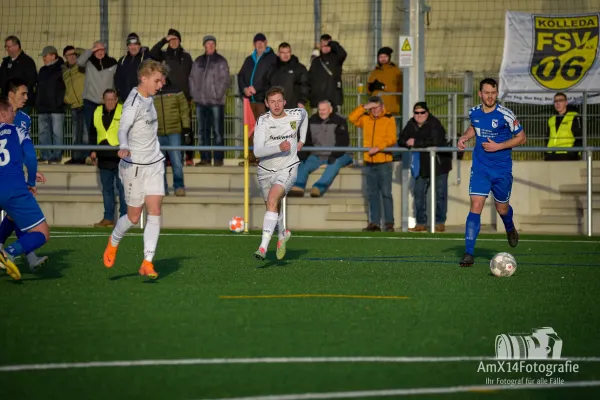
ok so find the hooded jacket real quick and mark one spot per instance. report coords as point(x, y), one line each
point(293, 77)
point(50, 97)
point(99, 75)
point(126, 75)
point(179, 62)
point(255, 72)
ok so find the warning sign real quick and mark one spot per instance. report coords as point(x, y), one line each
point(405, 57)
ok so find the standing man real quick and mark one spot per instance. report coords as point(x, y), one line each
point(497, 131)
point(292, 76)
point(325, 74)
point(386, 77)
point(18, 65)
point(209, 80)
point(564, 130)
point(127, 66)
point(74, 78)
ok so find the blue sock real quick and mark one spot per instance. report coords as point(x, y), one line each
point(6, 229)
point(26, 244)
point(471, 231)
point(508, 220)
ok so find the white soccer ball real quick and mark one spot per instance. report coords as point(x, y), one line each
point(503, 264)
point(237, 224)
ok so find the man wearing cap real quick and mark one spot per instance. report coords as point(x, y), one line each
point(100, 72)
point(49, 103)
point(179, 62)
point(18, 65)
point(74, 78)
point(386, 77)
point(209, 80)
point(325, 74)
point(253, 79)
point(126, 76)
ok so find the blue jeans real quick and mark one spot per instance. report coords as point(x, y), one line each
point(51, 133)
point(312, 163)
point(441, 198)
point(208, 117)
point(176, 158)
point(379, 186)
point(80, 133)
point(108, 178)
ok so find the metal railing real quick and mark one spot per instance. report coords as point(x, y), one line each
point(431, 150)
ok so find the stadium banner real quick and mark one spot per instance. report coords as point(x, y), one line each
point(549, 54)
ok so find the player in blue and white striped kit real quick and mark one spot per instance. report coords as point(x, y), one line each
point(17, 197)
point(497, 131)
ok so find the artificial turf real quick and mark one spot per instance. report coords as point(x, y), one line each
point(412, 300)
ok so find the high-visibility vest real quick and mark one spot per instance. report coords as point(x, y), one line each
point(112, 134)
point(563, 137)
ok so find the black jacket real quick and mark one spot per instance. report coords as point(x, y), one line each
point(51, 89)
point(126, 74)
point(337, 124)
point(430, 134)
point(22, 67)
point(257, 74)
point(323, 85)
point(179, 62)
point(293, 77)
point(107, 159)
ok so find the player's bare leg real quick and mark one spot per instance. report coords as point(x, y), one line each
point(506, 214)
point(472, 228)
point(283, 234)
point(271, 218)
point(125, 223)
point(151, 234)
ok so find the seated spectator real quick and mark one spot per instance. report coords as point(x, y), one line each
point(564, 130)
point(325, 129)
point(173, 124)
point(105, 131)
point(379, 129)
point(425, 130)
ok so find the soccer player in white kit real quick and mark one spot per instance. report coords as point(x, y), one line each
point(141, 169)
point(278, 136)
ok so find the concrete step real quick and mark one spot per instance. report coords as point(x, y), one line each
point(347, 216)
point(551, 229)
point(578, 188)
point(595, 172)
point(570, 203)
point(565, 220)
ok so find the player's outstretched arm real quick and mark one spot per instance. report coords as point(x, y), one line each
point(260, 150)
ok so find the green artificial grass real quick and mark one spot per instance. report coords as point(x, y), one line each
point(74, 310)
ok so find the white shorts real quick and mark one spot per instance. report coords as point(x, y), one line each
point(140, 181)
point(286, 178)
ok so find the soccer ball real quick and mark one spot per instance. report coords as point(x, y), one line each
point(503, 264)
point(237, 224)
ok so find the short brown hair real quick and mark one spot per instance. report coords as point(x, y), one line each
point(273, 91)
point(4, 104)
point(560, 94)
point(149, 66)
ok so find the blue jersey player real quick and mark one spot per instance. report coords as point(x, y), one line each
point(17, 97)
point(16, 196)
point(496, 131)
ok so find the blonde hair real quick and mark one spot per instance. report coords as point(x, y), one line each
point(149, 67)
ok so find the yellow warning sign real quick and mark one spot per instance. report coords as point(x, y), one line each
point(406, 45)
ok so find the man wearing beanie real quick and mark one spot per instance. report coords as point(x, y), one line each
point(253, 79)
point(209, 80)
point(126, 76)
point(386, 77)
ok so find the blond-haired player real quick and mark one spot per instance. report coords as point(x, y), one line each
point(278, 136)
point(141, 169)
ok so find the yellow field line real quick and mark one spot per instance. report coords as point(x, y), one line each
point(295, 296)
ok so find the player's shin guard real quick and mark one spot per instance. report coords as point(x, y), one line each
point(269, 224)
point(26, 244)
point(151, 234)
point(123, 225)
point(508, 219)
point(281, 227)
point(6, 228)
point(472, 231)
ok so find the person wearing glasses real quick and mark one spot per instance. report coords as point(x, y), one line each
point(425, 130)
point(564, 130)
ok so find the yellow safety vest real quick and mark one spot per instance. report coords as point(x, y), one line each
point(112, 134)
point(563, 137)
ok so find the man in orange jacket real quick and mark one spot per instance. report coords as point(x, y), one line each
point(379, 132)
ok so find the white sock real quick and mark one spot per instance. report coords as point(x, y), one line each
point(151, 233)
point(123, 225)
point(281, 227)
point(269, 224)
point(32, 257)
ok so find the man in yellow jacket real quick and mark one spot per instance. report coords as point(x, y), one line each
point(386, 78)
point(564, 130)
point(379, 132)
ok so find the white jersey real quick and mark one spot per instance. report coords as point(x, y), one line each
point(270, 132)
point(138, 129)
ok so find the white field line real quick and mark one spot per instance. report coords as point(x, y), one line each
point(416, 237)
point(265, 360)
point(409, 392)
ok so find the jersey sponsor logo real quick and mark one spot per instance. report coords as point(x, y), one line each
point(565, 48)
point(293, 124)
point(151, 121)
point(283, 137)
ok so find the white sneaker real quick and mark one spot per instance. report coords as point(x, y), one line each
point(35, 262)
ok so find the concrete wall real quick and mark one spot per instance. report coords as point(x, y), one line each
point(460, 35)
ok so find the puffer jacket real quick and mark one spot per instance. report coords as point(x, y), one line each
point(386, 78)
point(377, 132)
point(172, 111)
point(209, 80)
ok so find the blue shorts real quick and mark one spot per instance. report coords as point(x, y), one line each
point(485, 180)
point(22, 208)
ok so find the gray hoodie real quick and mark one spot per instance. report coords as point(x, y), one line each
point(99, 75)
